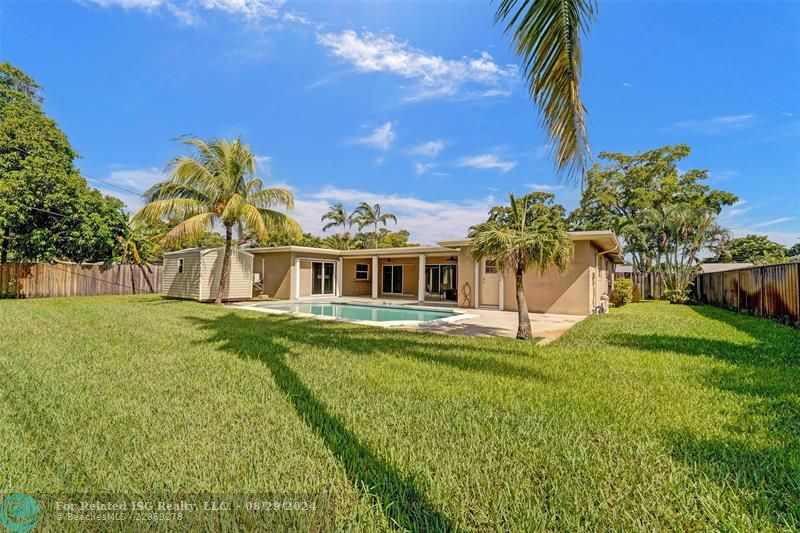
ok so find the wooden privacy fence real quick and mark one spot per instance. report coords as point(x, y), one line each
point(42, 280)
point(651, 284)
point(770, 291)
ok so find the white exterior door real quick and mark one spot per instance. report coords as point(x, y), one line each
point(490, 284)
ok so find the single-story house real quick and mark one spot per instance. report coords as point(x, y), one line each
point(446, 272)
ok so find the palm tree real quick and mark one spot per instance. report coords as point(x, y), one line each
point(135, 249)
point(683, 233)
point(546, 36)
point(216, 185)
point(530, 232)
point(337, 215)
point(371, 215)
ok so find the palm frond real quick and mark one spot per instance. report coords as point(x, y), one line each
point(190, 229)
point(272, 197)
point(547, 39)
point(158, 210)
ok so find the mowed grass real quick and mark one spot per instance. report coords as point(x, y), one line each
point(654, 417)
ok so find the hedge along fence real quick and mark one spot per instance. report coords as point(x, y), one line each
point(770, 291)
point(41, 280)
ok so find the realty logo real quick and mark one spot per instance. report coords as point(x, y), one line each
point(20, 513)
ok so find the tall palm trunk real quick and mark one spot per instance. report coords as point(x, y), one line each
point(226, 266)
point(524, 328)
point(147, 278)
point(133, 278)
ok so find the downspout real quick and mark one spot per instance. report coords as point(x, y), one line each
point(616, 249)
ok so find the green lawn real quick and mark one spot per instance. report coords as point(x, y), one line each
point(653, 417)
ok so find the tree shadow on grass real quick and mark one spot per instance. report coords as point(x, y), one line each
point(461, 353)
point(759, 453)
point(399, 497)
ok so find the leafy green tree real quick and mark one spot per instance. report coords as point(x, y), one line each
point(47, 210)
point(751, 249)
point(682, 232)
point(531, 232)
point(217, 185)
point(618, 196)
point(371, 215)
point(547, 39)
point(385, 238)
point(794, 251)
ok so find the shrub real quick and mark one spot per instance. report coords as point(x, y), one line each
point(679, 296)
point(622, 292)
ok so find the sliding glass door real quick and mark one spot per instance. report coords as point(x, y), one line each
point(440, 282)
point(392, 279)
point(321, 278)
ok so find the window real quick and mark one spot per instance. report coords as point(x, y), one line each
point(362, 272)
point(490, 267)
point(180, 266)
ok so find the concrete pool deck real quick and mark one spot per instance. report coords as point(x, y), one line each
point(482, 322)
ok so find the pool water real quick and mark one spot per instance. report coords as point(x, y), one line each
point(374, 313)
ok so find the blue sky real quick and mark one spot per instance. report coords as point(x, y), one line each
point(416, 105)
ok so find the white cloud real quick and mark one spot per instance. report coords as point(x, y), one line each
point(427, 221)
point(428, 149)
point(381, 137)
point(733, 212)
point(262, 162)
point(434, 75)
point(544, 187)
point(627, 84)
point(723, 175)
point(787, 114)
point(422, 168)
point(187, 11)
point(487, 161)
point(773, 222)
point(717, 124)
point(128, 184)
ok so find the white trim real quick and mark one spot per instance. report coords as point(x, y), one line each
point(477, 285)
point(295, 279)
point(323, 262)
point(355, 271)
point(421, 279)
point(501, 288)
point(374, 277)
point(338, 277)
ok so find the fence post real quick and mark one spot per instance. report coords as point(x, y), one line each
point(739, 291)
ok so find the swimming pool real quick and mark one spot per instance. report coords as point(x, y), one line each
point(357, 312)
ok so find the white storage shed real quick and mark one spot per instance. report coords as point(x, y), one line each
point(194, 274)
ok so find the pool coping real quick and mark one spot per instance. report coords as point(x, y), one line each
point(458, 314)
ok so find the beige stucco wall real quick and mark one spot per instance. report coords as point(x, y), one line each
point(554, 292)
point(466, 279)
point(305, 269)
point(185, 284)
point(351, 286)
point(410, 274)
point(275, 270)
point(240, 282)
